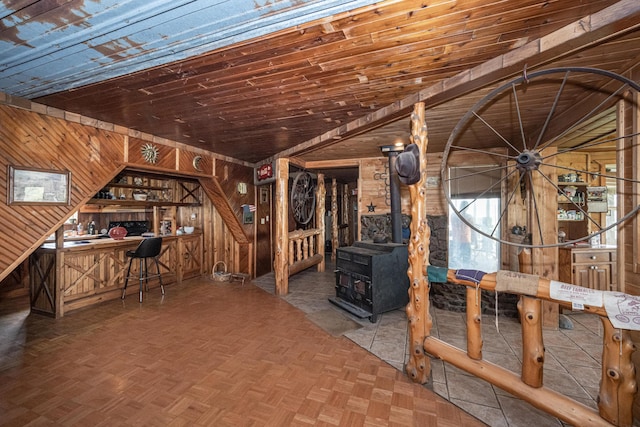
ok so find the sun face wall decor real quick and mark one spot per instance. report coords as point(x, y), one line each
point(150, 153)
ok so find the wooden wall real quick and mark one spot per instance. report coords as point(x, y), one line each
point(629, 233)
point(374, 187)
point(240, 259)
point(92, 156)
point(93, 152)
point(229, 176)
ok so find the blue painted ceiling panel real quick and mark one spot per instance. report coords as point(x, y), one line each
point(47, 51)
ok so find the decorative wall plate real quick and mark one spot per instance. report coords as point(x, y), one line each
point(196, 162)
point(150, 153)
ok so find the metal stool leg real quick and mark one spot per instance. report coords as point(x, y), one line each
point(159, 274)
point(141, 276)
point(146, 275)
point(126, 280)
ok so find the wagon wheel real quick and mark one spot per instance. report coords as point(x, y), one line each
point(303, 198)
point(527, 152)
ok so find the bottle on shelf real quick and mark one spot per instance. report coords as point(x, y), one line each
point(92, 228)
point(80, 229)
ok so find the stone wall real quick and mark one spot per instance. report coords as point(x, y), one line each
point(379, 226)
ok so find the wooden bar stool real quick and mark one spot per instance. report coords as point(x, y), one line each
point(148, 248)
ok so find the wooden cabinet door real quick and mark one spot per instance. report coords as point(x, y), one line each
point(582, 275)
point(168, 260)
point(601, 277)
point(190, 256)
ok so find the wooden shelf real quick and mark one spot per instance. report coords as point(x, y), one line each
point(137, 187)
point(577, 183)
point(161, 191)
point(137, 203)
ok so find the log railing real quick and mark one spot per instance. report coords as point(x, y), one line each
point(303, 249)
point(300, 249)
point(617, 383)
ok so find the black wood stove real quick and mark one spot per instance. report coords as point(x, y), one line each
point(371, 278)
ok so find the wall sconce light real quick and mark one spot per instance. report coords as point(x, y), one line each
point(242, 188)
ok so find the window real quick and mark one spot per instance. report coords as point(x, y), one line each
point(611, 235)
point(479, 203)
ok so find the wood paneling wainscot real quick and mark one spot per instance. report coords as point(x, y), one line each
point(80, 275)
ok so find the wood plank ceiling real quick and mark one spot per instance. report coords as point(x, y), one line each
point(253, 99)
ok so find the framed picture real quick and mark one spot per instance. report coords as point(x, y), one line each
point(247, 213)
point(247, 218)
point(38, 186)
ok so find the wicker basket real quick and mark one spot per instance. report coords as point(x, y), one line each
point(220, 275)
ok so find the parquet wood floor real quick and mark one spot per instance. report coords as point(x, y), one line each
point(207, 354)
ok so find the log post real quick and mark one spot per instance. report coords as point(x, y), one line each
point(530, 310)
point(419, 365)
point(474, 323)
point(334, 218)
point(618, 380)
point(281, 262)
point(320, 225)
point(345, 214)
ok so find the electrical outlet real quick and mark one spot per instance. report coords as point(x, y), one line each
point(194, 216)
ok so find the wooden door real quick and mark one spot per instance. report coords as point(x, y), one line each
point(263, 220)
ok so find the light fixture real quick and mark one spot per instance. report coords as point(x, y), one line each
point(242, 188)
point(395, 148)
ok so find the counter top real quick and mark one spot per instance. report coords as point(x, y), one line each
point(587, 246)
point(89, 242)
point(93, 243)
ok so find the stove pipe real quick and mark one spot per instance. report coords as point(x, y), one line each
point(394, 187)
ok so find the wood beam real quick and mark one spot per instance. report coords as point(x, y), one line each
point(331, 164)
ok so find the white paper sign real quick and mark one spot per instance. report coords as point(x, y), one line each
point(576, 295)
point(623, 310)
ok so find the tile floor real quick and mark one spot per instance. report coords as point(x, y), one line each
point(572, 364)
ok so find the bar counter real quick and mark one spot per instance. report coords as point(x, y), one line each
point(89, 270)
point(91, 242)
